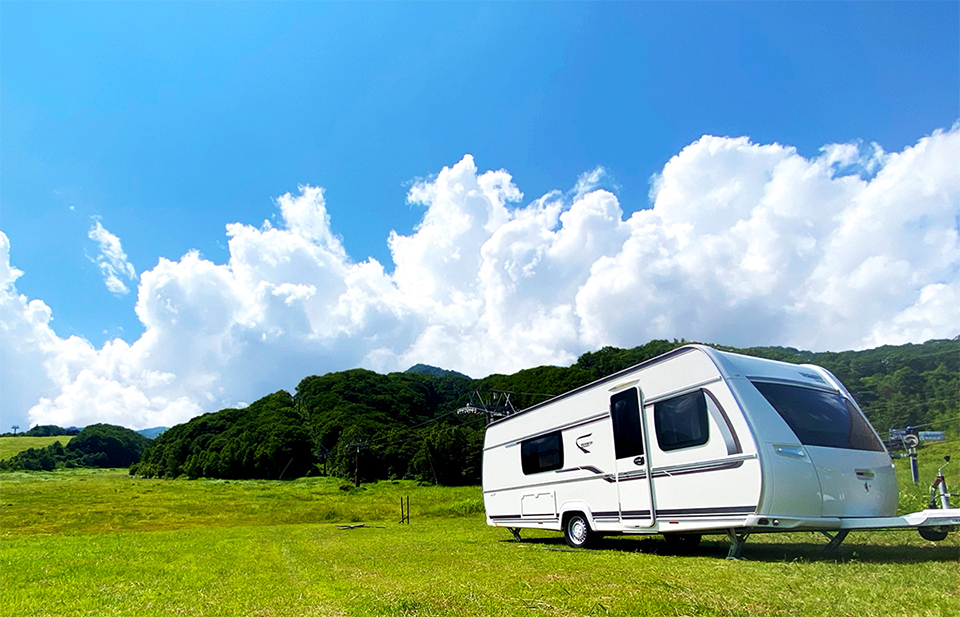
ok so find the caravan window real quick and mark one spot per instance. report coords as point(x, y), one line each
point(820, 418)
point(682, 421)
point(627, 433)
point(544, 453)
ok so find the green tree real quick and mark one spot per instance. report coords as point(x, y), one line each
point(107, 445)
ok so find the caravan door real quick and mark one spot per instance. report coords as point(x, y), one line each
point(633, 478)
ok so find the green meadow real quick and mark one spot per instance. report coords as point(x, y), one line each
point(14, 445)
point(99, 542)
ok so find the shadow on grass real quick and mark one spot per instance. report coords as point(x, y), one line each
point(758, 550)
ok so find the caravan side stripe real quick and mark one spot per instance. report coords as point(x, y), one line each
point(706, 512)
point(609, 477)
point(702, 469)
point(714, 465)
point(516, 518)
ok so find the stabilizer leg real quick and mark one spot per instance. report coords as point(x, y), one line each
point(736, 543)
point(835, 541)
point(516, 533)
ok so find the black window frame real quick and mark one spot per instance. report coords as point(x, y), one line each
point(542, 453)
point(668, 439)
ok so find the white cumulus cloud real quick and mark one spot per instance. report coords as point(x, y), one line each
point(741, 243)
point(111, 260)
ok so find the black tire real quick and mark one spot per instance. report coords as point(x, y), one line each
point(682, 541)
point(577, 532)
point(934, 534)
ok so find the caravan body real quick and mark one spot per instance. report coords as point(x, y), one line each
point(694, 441)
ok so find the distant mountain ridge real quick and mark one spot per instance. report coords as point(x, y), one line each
point(153, 433)
point(426, 369)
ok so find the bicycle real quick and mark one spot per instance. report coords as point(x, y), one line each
point(939, 498)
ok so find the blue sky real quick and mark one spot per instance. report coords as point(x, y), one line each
point(165, 122)
point(170, 120)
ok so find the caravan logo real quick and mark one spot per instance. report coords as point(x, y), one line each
point(812, 376)
point(584, 442)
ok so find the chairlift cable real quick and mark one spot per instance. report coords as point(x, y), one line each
point(948, 421)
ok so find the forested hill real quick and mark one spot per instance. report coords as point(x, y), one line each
point(426, 369)
point(97, 445)
point(406, 425)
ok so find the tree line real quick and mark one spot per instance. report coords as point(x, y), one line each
point(406, 425)
point(98, 445)
point(44, 430)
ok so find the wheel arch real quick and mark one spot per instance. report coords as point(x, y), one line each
point(572, 507)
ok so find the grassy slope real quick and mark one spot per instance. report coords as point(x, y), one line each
point(13, 445)
point(89, 542)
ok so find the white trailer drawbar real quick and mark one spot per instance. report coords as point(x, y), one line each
point(693, 442)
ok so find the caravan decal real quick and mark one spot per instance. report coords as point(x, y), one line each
point(614, 515)
point(605, 476)
point(716, 465)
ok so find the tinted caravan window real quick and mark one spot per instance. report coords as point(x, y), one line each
point(543, 453)
point(627, 433)
point(682, 421)
point(820, 418)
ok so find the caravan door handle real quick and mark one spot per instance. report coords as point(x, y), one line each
point(639, 460)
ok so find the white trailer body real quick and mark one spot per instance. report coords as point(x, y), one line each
point(695, 441)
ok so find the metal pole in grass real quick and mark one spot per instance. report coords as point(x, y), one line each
point(286, 468)
point(356, 469)
point(911, 440)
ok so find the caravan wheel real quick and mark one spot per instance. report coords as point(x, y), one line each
point(935, 534)
point(577, 531)
point(682, 541)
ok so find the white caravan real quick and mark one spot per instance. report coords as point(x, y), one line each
point(696, 441)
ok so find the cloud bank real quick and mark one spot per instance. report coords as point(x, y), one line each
point(745, 244)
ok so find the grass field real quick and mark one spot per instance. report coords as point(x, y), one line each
point(98, 542)
point(12, 445)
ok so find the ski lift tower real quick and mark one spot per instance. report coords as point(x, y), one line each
point(494, 406)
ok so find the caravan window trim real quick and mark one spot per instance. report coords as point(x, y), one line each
point(667, 441)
